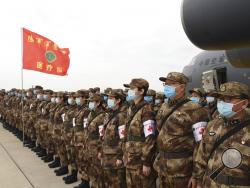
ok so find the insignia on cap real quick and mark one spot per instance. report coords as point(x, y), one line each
point(223, 88)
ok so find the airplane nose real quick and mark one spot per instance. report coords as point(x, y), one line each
point(217, 25)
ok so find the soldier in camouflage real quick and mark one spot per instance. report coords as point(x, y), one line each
point(112, 143)
point(176, 141)
point(139, 149)
point(228, 164)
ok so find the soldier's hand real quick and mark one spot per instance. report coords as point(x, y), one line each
point(99, 156)
point(192, 183)
point(118, 162)
point(146, 170)
point(199, 186)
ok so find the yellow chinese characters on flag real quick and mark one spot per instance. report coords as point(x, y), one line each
point(43, 55)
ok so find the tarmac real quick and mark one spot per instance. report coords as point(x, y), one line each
point(21, 168)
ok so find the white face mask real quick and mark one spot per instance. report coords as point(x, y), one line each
point(58, 100)
point(53, 100)
point(39, 96)
point(209, 100)
point(70, 101)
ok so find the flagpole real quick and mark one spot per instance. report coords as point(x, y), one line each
point(22, 81)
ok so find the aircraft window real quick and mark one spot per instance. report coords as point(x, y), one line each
point(222, 59)
point(221, 75)
point(213, 61)
point(207, 61)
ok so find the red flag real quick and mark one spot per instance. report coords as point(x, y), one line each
point(43, 55)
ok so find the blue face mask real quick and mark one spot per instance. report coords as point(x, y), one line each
point(45, 97)
point(169, 91)
point(195, 99)
point(225, 109)
point(78, 101)
point(148, 99)
point(209, 100)
point(111, 103)
point(70, 101)
point(157, 101)
point(105, 98)
point(131, 95)
point(91, 105)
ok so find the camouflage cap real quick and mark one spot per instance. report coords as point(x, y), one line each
point(82, 93)
point(97, 98)
point(97, 89)
point(54, 94)
point(61, 94)
point(199, 91)
point(151, 92)
point(107, 90)
point(175, 76)
point(117, 93)
point(233, 89)
point(38, 87)
point(159, 95)
point(138, 82)
point(48, 91)
point(71, 94)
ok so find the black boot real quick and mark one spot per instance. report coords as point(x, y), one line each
point(56, 163)
point(72, 178)
point(43, 153)
point(83, 184)
point(62, 171)
point(37, 148)
point(27, 142)
point(48, 158)
point(32, 145)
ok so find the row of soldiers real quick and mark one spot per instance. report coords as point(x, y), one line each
point(137, 137)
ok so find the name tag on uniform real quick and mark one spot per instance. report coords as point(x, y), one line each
point(149, 127)
point(85, 121)
point(74, 122)
point(198, 129)
point(121, 130)
point(101, 130)
point(63, 117)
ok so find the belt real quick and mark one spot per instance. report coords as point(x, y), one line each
point(110, 142)
point(176, 155)
point(93, 136)
point(230, 180)
point(135, 138)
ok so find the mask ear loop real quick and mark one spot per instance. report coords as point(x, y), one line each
point(241, 107)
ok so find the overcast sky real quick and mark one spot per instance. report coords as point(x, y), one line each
point(110, 42)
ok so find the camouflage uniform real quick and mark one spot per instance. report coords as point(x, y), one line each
point(67, 134)
point(175, 140)
point(139, 147)
point(78, 148)
point(159, 99)
point(57, 127)
point(112, 145)
point(235, 177)
point(93, 143)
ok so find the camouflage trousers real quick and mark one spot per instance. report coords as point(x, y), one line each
point(173, 182)
point(49, 142)
point(82, 163)
point(94, 169)
point(136, 179)
point(114, 178)
point(209, 183)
